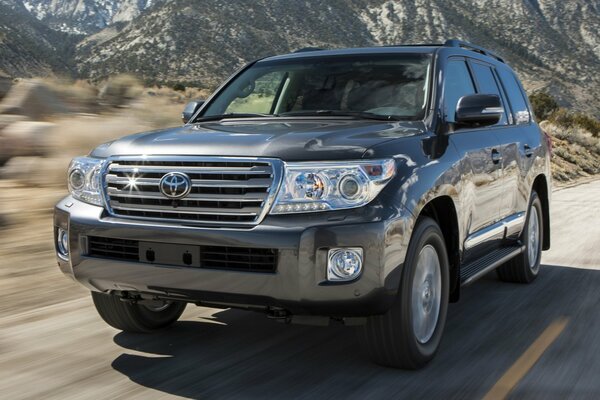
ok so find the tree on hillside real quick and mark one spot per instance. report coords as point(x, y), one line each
point(543, 104)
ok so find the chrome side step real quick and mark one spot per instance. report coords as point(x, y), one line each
point(513, 224)
point(469, 273)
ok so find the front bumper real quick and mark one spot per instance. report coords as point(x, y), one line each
point(299, 284)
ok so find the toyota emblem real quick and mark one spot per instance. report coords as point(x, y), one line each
point(175, 185)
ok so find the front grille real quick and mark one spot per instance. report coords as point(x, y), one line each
point(239, 258)
point(117, 249)
point(211, 257)
point(224, 190)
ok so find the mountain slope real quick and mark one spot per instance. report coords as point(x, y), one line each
point(549, 42)
point(30, 48)
point(201, 42)
point(85, 16)
point(552, 44)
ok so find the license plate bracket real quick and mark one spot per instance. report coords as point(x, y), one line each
point(170, 254)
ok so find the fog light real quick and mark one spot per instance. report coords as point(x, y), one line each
point(344, 264)
point(62, 244)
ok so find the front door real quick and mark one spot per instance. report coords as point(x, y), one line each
point(480, 161)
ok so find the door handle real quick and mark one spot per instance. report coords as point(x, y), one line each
point(528, 150)
point(496, 157)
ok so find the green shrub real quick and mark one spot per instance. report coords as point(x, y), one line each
point(119, 90)
point(543, 104)
point(568, 119)
point(588, 123)
point(180, 87)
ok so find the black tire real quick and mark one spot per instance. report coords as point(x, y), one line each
point(135, 317)
point(390, 339)
point(520, 269)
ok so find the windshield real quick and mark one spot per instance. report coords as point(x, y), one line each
point(389, 85)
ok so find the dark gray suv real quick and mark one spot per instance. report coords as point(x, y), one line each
point(363, 186)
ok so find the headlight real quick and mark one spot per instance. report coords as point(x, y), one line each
point(321, 186)
point(84, 179)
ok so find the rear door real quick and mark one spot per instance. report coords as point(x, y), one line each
point(519, 144)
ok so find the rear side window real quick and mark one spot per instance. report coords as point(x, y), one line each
point(488, 85)
point(457, 83)
point(516, 97)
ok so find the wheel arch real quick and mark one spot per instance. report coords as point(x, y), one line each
point(443, 210)
point(540, 185)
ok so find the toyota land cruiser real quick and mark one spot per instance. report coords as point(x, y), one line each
point(364, 186)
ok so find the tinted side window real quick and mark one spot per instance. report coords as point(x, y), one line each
point(487, 84)
point(515, 97)
point(457, 83)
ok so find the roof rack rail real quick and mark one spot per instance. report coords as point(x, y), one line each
point(304, 49)
point(472, 47)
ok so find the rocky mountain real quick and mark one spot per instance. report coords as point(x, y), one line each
point(201, 42)
point(85, 16)
point(553, 44)
point(30, 48)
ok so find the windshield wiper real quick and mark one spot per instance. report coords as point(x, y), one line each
point(232, 115)
point(340, 113)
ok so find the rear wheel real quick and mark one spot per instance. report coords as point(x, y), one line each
point(525, 267)
point(409, 334)
point(144, 316)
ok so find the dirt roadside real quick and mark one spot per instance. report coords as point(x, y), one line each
point(29, 276)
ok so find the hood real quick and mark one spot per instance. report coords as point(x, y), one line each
point(289, 140)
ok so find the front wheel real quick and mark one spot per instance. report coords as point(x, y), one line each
point(409, 334)
point(141, 317)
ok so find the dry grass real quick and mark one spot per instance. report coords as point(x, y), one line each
point(96, 115)
point(79, 95)
point(576, 152)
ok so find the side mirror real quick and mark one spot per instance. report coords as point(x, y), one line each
point(480, 109)
point(190, 109)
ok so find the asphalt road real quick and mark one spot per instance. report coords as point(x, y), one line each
point(538, 341)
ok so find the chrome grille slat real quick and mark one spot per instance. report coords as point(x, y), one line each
point(250, 183)
point(127, 181)
point(183, 210)
point(224, 191)
point(248, 197)
point(192, 170)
